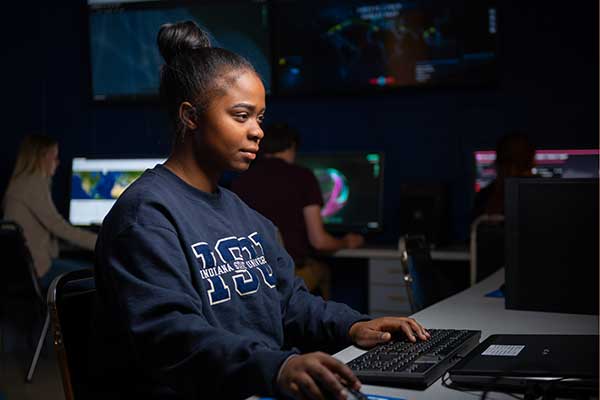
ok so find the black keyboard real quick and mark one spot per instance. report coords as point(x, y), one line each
point(414, 365)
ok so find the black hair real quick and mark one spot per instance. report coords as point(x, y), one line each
point(279, 137)
point(193, 71)
point(514, 148)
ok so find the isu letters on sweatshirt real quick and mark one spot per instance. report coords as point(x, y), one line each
point(197, 297)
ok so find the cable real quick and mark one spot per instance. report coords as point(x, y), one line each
point(534, 390)
point(485, 393)
point(471, 391)
point(456, 387)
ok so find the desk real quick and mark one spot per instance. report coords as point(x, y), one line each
point(386, 288)
point(470, 309)
point(442, 254)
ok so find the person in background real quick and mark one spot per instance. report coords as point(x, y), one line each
point(197, 299)
point(28, 202)
point(515, 157)
point(290, 196)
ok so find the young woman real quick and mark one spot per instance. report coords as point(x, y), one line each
point(28, 202)
point(199, 295)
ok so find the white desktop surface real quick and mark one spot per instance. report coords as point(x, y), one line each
point(390, 252)
point(470, 309)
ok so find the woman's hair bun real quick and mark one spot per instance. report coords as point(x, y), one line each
point(180, 37)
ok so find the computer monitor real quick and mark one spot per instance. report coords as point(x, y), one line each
point(548, 164)
point(370, 45)
point(552, 244)
point(352, 188)
point(97, 183)
point(124, 57)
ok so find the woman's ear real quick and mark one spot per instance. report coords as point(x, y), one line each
point(188, 115)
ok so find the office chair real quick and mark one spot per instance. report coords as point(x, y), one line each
point(70, 302)
point(20, 292)
point(422, 280)
point(486, 246)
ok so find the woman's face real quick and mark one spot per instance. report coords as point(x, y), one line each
point(51, 161)
point(229, 130)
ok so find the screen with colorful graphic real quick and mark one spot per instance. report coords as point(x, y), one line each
point(97, 183)
point(548, 164)
point(125, 60)
point(351, 185)
point(357, 45)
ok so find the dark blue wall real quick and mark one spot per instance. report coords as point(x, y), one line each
point(548, 87)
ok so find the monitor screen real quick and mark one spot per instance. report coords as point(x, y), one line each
point(352, 188)
point(97, 183)
point(548, 164)
point(362, 45)
point(125, 60)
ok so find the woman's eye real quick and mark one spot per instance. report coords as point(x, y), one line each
point(241, 116)
point(260, 119)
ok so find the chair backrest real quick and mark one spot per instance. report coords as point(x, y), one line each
point(487, 249)
point(18, 279)
point(70, 301)
point(422, 281)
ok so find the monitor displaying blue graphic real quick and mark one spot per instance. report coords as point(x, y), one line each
point(125, 60)
point(97, 183)
point(358, 45)
point(352, 188)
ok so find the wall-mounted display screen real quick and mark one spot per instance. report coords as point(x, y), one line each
point(125, 60)
point(362, 45)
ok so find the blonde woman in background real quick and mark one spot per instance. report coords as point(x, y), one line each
point(28, 202)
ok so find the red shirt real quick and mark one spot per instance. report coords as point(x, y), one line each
point(280, 191)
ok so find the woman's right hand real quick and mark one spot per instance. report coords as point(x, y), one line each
point(316, 376)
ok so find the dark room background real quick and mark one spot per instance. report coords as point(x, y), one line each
point(548, 87)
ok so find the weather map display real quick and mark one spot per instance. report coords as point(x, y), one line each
point(351, 185)
point(125, 60)
point(97, 183)
point(348, 45)
point(567, 163)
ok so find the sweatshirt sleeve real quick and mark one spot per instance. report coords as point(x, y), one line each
point(41, 205)
point(145, 279)
point(310, 322)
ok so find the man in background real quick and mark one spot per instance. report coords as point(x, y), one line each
point(290, 196)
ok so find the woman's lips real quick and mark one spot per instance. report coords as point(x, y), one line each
point(248, 154)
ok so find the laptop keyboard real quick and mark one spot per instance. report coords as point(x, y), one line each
point(403, 363)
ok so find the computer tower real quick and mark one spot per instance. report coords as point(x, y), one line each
point(552, 245)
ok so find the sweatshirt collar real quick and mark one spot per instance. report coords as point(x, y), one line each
point(212, 198)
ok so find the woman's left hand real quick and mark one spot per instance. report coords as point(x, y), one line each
point(370, 333)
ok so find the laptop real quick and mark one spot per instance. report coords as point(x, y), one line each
point(520, 363)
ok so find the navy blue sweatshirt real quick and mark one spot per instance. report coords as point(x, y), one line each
point(199, 298)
